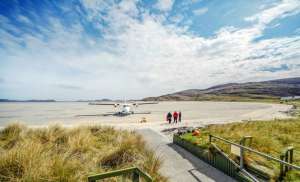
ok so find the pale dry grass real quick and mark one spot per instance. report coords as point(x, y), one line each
point(269, 137)
point(56, 153)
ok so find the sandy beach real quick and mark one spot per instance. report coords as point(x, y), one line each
point(194, 114)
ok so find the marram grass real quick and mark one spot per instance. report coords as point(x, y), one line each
point(269, 137)
point(57, 153)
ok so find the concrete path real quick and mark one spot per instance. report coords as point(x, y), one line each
point(181, 165)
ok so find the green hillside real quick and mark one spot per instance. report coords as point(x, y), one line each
point(251, 91)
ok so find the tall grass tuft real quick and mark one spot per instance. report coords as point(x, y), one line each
point(56, 153)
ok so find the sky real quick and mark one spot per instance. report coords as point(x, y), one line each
point(95, 49)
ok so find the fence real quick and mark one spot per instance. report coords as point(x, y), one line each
point(214, 159)
point(135, 170)
point(225, 164)
point(241, 154)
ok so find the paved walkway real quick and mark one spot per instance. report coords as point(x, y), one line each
point(181, 165)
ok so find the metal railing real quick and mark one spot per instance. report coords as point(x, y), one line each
point(242, 148)
point(135, 170)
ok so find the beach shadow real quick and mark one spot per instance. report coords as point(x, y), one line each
point(104, 115)
point(116, 114)
point(165, 124)
point(196, 178)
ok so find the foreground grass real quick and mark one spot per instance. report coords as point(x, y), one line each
point(56, 153)
point(269, 137)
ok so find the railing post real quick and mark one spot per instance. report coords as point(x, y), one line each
point(291, 158)
point(286, 160)
point(136, 177)
point(285, 154)
point(281, 165)
point(291, 149)
point(135, 170)
point(242, 142)
point(242, 158)
point(229, 150)
point(282, 155)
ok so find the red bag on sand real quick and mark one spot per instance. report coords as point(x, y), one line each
point(167, 119)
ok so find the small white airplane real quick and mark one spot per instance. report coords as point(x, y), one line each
point(125, 107)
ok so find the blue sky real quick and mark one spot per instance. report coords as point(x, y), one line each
point(94, 49)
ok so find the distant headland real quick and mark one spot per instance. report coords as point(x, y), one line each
point(32, 100)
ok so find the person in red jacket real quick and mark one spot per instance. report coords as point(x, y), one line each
point(175, 115)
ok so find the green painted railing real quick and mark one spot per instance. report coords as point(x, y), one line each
point(219, 162)
point(135, 170)
point(285, 154)
point(215, 159)
point(242, 142)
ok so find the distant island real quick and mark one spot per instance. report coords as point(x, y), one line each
point(32, 100)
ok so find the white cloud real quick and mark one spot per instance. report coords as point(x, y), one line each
point(23, 19)
point(65, 8)
point(187, 2)
point(280, 10)
point(185, 8)
point(95, 5)
point(3, 19)
point(98, 26)
point(78, 10)
point(262, 6)
point(4, 22)
point(188, 22)
point(143, 56)
point(297, 30)
point(164, 5)
point(276, 25)
point(64, 86)
point(78, 27)
point(229, 12)
point(33, 14)
point(200, 11)
point(178, 18)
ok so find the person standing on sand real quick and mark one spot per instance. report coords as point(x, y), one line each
point(169, 116)
point(179, 116)
point(175, 115)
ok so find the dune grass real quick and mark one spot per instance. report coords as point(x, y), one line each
point(269, 137)
point(57, 153)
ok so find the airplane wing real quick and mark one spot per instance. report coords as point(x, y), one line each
point(103, 104)
point(142, 103)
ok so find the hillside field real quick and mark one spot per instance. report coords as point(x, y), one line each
point(271, 90)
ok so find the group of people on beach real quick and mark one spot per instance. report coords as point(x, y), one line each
point(175, 116)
